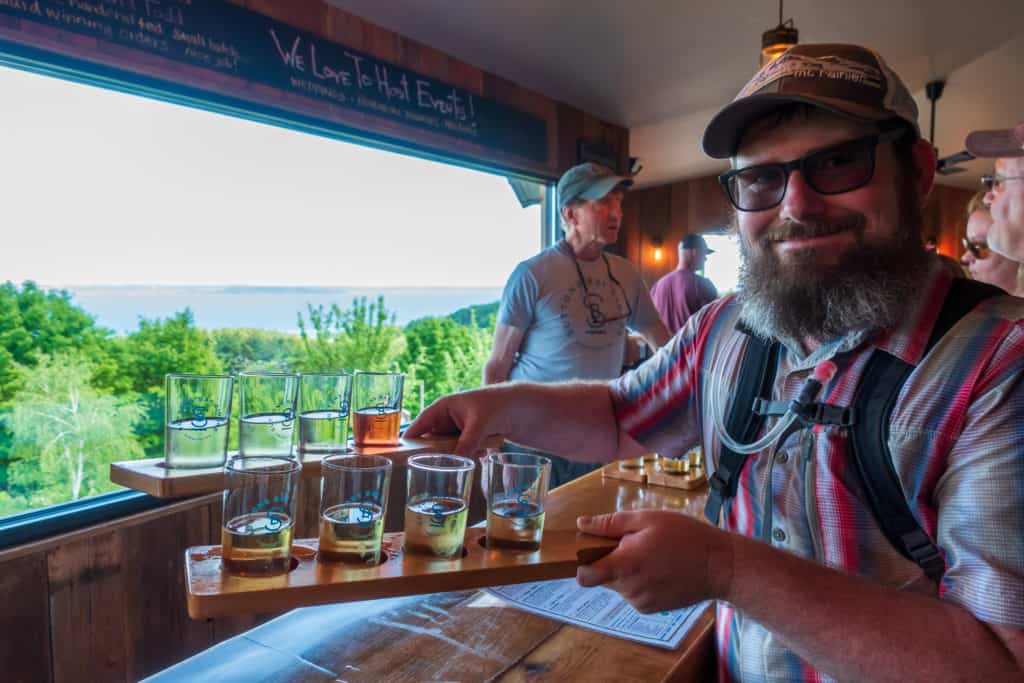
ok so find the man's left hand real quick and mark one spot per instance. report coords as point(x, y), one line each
point(665, 560)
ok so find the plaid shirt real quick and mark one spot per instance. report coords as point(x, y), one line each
point(955, 438)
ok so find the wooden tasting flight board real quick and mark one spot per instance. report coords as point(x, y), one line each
point(150, 476)
point(214, 593)
point(653, 474)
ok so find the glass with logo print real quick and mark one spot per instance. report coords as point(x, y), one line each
point(437, 504)
point(353, 502)
point(377, 408)
point(324, 399)
point(267, 424)
point(517, 485)
point(260, 497)
point(197, 409)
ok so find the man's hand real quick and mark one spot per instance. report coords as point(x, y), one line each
point(665, 560)
point(473, 415)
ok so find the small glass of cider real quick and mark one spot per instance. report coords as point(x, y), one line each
point(259, 514)
point(267, 423)
point(517, 485)
point(324, 399)
point(377, 408)
point(437, 504)
point(353, 502)
point(198, 410)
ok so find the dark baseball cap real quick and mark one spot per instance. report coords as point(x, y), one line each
point(997, 144)
point(589, 181)
point(695, 242)
point(848, 80)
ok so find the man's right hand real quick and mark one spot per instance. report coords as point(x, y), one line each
point(473, 415)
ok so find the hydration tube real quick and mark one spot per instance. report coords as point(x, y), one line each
point(822, 375)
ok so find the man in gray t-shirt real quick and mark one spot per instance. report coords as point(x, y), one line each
point(564, 312)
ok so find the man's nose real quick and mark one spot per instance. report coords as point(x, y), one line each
point(801, 200)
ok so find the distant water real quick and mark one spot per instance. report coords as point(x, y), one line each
point(270, 308)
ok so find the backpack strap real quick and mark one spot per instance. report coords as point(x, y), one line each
point(757, 375)
point(873, 403)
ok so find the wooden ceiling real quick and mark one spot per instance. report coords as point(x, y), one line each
point(663, 67)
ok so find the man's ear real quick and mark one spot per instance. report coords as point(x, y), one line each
point(924, 166)
point(568, 216)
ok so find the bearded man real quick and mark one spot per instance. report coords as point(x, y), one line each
point(813, 577)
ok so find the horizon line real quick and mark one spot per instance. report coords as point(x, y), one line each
point(48, 285)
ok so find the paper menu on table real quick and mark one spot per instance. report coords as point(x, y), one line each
point(600, 609)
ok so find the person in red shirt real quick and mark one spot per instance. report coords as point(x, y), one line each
point(683, 292)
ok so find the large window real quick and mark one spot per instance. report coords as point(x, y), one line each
point(723, 266)
point(141, 238)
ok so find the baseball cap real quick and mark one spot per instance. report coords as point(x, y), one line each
point(695, 242)
point(848, 80)
point(1005, 143)
point(588, 181)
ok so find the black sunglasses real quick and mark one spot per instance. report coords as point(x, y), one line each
point(834, 170)
point(977, 247)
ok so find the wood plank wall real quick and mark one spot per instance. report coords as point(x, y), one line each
point(945, 218)
point(107, 604)
point(671, 211)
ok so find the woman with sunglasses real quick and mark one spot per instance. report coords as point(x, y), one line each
point(983, 263)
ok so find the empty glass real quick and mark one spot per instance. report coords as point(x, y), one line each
point(197, 410)
point(324, 399)
point(267, 425)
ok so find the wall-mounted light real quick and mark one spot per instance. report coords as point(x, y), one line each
point(656, 243)
point(777, 40)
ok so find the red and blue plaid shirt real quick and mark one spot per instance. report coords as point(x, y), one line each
point(956, 439)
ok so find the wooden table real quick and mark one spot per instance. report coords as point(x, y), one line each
point(461, 636)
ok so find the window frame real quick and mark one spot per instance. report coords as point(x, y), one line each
point(54, 520)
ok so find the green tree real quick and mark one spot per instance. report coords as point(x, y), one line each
point(445, 356)
point(480, 314)
point(252, 349)
point(35, 323)
point(66, 433)
point(161, 346)
point(363, 337)
point(144, 357)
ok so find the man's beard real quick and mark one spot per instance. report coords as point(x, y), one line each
point(868, 288)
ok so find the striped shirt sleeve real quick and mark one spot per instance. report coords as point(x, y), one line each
point(980, 495)
point(657, 404)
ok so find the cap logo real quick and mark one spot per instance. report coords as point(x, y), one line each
point(800, 66)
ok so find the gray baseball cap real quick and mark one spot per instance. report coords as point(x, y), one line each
point(588, 181)
point(848, 80)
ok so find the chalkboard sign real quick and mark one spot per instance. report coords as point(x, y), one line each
point(229, 39)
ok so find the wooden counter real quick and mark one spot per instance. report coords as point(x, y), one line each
point(463, 636)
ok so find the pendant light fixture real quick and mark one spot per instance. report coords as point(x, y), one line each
point(777, 40)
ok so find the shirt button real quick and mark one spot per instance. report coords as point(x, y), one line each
point(779, 535)
point(782, 458)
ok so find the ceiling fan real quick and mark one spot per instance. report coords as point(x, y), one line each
point(944, 165)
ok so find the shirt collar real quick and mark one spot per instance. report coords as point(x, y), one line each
point(909, 340)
